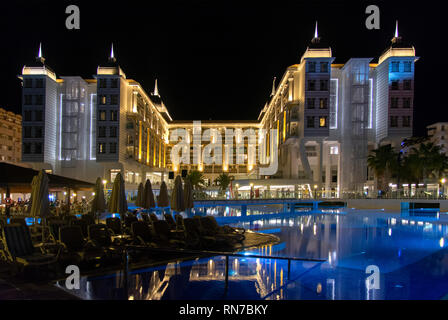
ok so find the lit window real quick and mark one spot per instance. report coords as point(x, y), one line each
point(322, 122)
point(334, 150)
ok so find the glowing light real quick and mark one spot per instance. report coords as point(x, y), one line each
point(396, 29)
point(104, 181)
point(442, 242)
point(443, 180)
point(389, 232)
point(93, 193)
point(39, 55)
point(316, 34)
point(112, 56)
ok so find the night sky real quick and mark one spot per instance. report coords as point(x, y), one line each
point(216, 60)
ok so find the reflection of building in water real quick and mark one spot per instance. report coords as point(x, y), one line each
point(267, 274)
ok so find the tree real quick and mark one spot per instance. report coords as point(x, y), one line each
point(196, 179)
point(223, 181)
point(384, 162)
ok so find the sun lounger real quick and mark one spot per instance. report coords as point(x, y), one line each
point(170, 221)
point(18, 248)
point(165, 237)
point(142, 234)
point(77, 248)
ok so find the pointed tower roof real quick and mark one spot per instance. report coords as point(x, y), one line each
point(317, 48)
point(273, 87)
point(112, 58)
point(398, 47)
point(38, 66)
point(156, 90)
point(111, 67)
point(40, 58)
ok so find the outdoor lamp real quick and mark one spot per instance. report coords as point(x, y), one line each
point(104, 181)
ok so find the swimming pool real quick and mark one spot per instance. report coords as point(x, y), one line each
point(410, 253)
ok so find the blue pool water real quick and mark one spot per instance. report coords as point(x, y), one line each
point(410, 253)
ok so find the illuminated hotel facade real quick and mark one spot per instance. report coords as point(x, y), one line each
point(327, 117)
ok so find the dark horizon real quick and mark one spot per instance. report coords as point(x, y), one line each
point(213, 60)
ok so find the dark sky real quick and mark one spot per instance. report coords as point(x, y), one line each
point(216, 60)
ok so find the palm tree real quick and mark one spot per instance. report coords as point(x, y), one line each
point(223, 180)
point(384, 162)
point(196, 179)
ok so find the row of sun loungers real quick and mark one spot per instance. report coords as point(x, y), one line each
point(85, 243)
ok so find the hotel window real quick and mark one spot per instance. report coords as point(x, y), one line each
point(406, 121)
point(324, 67)
point(394, 121)
point(310, 122)
point(28, 115)
point(38, 115)
point(101, 147)
point(113, 132)
point(334, 150)
point(27, 148)
point(394, 103)
point(103, 99)
point(113, 147)
point(311, 66)
point(114, 99)
point(103, 83)
point(395, 66)
point(322, 122)
point(102, 115)
point(113, 115)
point(38, 148)
point(323, 103)
point(407, 85)
point(114, 83)
point(28, 99)
point(27, 132)
point(38, 132)
point(101, 132)
point(394, 85)
point(28, 83)
point(406, 103)
point(39, 99)
point(323, 85)
point(407, 66)
point(311, 85)
point(39, 83)
point(310, 103)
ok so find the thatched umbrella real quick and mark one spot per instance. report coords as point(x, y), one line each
point(148, 196)
point(98, 202)
point(40, 206)
point(117, 201)
point(163, 201)
point(177, 196)
point(140, 196)
point(188, 196)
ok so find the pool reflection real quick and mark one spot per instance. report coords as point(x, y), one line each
point(410, 255)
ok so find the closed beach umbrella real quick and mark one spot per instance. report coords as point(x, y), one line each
point(117, 202)
point(177, 196)
point(98, 202)
point(162, 201)
point(40, 206)
point(140, 194)
point(188, 195)
point(148, 196)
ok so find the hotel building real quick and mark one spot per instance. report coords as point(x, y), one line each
point(327, 117)
point(10, 136)
point(437, 133)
